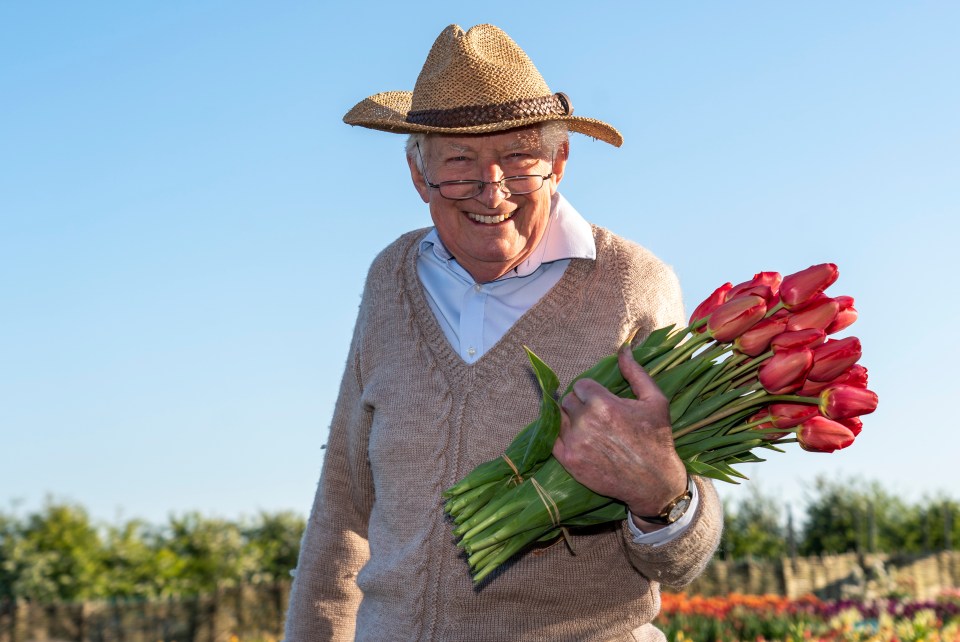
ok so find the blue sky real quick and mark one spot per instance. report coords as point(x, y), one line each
point(185, 222)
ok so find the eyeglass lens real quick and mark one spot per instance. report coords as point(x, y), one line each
point(469, 189)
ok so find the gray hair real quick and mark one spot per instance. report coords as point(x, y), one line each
point(553, 134)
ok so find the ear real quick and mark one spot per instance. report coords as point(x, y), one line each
point(559, 165)
point(419, 182)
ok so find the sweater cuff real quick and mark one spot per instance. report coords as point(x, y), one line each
point(671, 532)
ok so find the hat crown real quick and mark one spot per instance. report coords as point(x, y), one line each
point(482, 66)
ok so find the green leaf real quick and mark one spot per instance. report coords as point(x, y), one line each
point(672, 380)
point(541, 442)
point(702, 410)
point(706, 470)
point(682, 400)
point(727, 468)
point(606, 372)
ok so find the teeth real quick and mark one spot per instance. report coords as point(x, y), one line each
point(488, 219)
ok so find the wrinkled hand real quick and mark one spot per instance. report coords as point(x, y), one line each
point(621, 448)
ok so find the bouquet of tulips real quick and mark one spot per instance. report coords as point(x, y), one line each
point(753, 369)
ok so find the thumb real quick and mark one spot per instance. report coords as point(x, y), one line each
point(642, 384)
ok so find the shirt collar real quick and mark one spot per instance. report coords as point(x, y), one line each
point(568, 236)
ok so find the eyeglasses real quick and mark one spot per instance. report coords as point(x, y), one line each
point(509, 185)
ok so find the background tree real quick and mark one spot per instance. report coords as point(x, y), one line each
point(753, 527)
point(54, 554)
point(273, 542)
point(855, 516)
point(197, 554)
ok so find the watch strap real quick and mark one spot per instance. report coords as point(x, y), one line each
point(667, 515)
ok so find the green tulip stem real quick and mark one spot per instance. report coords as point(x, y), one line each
point(683, 353)
point(795, 399)
point(717, 351)
point(748, 425)
point(759, 397)
point(770, 312)
point(738, 370)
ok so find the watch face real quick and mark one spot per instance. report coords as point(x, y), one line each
point(678, 510)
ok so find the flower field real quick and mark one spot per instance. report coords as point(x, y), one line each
point(769, 618)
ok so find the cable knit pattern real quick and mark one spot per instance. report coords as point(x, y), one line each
point(378, 560)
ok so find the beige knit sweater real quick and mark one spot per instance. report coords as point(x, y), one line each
point(378, 560)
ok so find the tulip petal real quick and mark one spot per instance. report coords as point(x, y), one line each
point(834, 357)
point(800, 287)
point(786, 370)
point(735, 317)
point(823, 435)
point(843, 401)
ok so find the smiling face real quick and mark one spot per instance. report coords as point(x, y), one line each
point(491, 233)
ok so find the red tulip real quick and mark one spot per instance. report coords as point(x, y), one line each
point(710, 304)
point(820, 313)
point(756, 340)
point(845, 317)
point(786, 370)
point(767, 425)
point(788, 415)
point(832, 358)
point(735, 317)
point(853, 423)
point(800, 287)
point(764, 284)
point(810, 338)
point(770, 279)
point(855, 375)
point(843, 401)
point(824, 436)
point(762, 291)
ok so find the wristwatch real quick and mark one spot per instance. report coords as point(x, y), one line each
point(672, 511)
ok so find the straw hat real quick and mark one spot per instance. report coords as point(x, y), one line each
point(476, 82)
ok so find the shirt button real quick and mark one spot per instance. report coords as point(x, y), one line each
point(471, 351)
point(477, 288)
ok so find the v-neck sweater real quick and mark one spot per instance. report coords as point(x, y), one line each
point(378, 560)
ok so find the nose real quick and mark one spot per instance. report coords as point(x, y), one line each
point(491, 195)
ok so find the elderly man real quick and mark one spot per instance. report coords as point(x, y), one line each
point(437, 382)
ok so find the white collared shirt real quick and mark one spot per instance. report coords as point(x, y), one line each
point(474, 316)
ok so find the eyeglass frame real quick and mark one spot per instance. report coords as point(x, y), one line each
point(480, 184)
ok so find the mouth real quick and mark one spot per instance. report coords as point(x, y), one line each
point(489, 220)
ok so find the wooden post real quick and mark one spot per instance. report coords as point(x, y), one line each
point(947, 526)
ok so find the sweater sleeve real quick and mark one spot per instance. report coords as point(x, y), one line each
point(679, 561)
point(325, 597)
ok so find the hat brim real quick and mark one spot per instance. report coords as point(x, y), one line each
point(388, 111)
